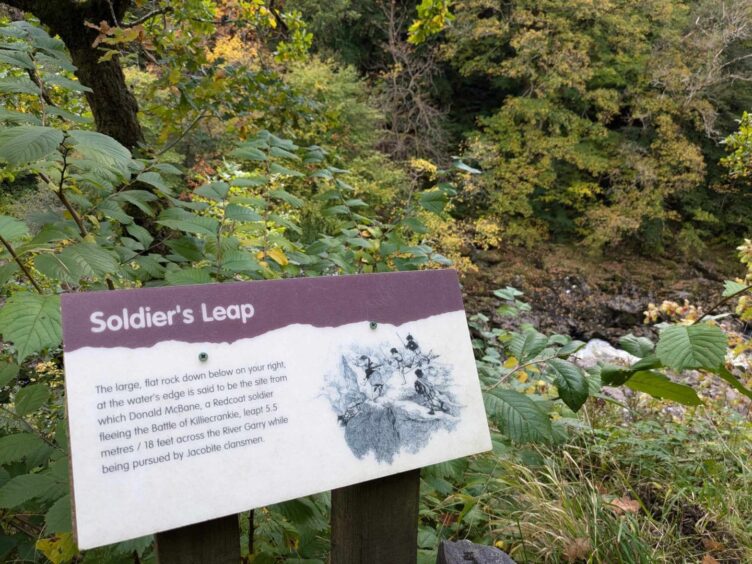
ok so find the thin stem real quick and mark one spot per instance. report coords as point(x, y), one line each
point(199, 117)
point(28, 426)
point(517, 369)
point(721, 302)
point(148, 15)
point(21, 265)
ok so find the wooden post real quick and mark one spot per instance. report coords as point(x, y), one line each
point(211, 542)
point(376, 522)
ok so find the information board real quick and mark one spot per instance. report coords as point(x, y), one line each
point(194, 402)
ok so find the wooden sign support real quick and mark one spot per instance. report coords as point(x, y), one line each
point(376, 522)
point(210, 542)
point(372, 523)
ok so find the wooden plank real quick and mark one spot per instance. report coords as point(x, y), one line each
point(211, 542)
point(376, 522)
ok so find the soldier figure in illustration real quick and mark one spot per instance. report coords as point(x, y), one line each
point(428, 392)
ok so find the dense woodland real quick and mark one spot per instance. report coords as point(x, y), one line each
point(153, 143)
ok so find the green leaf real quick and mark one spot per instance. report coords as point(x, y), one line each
point(183, 220)
point(239, 261)
point(58, 517)
point(28, 143)
point(155, 179)
point(216, 191)
point(67, 83)
point(731, 287)
point(188, 276)
point(138, 198)
point(434, 201)
point(91, 260)
point(692, 346)
point(281, 153)
point(415, 224)
point(18, 446)
point(613, 375)
point(527, 345)
point(17, 59)
point(53, 267)
point(31, 398)
point(571, 383)
point(31, 322)
point(285, 196)
point(8, 372)
point(570, 348)
point(101, 149)
point(141, 234)
point(279, 169)
point(7, 271)
point(733, 381)
point(518, 416)
point(25, 487)
point(236, 212)
point(247, 153)
point(11, 229)
point(18, 85)
point(637, 346)
point(248, 181)
point(659, 386)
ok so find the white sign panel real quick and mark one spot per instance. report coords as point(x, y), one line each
point(190, 403)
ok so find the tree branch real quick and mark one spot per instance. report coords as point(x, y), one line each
point(21, 265)
point(148, 16)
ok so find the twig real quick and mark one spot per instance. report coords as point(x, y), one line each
point(21, 265)
point(517, 369)
point(199, 117)
point(721, 302)
point(148, 15)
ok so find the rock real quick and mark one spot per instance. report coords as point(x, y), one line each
point(465, 552)
point(598, 350)
point(489, 257)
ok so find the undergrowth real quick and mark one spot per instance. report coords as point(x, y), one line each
point(660, 489)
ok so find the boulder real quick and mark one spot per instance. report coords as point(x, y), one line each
point(465, 552)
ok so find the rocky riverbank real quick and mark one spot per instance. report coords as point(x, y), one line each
point(587, 297)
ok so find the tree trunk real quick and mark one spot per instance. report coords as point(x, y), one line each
point(114, 107)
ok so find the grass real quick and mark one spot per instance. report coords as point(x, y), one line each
point(647, 485)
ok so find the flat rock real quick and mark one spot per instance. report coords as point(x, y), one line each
point(466, 552)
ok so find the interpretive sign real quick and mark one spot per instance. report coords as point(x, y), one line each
point(190, 403)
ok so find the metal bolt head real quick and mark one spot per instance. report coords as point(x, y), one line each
point(373, 325)
point(203, 357)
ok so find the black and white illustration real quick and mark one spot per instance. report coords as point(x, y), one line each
point(392, 396)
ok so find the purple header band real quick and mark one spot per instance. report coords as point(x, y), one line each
point(329, 301)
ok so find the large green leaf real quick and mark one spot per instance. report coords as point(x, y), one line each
point(12, 229)
point(692, 346)
point(518, 416)
point(28, 143)
point(31, 322)
point(183, 220)
point(101, 149)
point(434, 201)
point(8, 371)
point(25, 487)
point(528, 344)
point(18, 446)
point(188, 276)
point(659, 386)
point(58, 517)
point(91, 259)
point(216, 191)
point(571, 383)
point(237, 212)
point(31, 398)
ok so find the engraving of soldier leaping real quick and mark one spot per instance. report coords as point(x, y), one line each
point(392, 396)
